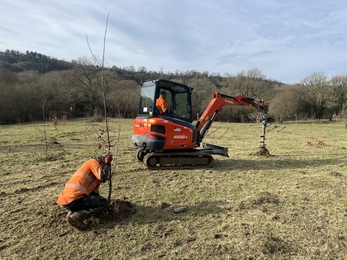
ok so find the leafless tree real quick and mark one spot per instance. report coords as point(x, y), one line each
point(316, 93)
point(338, 94)
point(285, 105)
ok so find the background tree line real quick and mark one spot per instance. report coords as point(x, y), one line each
point(36, 87)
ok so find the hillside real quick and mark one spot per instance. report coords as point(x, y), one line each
point(16, 61)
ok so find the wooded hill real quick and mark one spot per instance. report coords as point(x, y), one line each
point(19, 62)
point(37, 87)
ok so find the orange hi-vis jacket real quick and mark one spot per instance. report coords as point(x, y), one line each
point(161, 104)
point(84, 181)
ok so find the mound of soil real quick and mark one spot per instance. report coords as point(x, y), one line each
point(263, 152)
point(117, 210)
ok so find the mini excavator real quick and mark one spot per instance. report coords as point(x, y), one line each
point(171, 140)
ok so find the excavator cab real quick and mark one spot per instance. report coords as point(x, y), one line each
point(178, 97)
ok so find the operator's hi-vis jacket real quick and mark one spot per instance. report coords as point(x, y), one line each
point(84, 181)
point(161, 104)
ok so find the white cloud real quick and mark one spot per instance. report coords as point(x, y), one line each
point(286, 40)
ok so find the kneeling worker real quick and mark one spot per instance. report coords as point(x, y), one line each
point(81, 193)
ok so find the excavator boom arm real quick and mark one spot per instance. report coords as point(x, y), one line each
point(220, 100)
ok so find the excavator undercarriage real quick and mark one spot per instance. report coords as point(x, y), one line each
point(186, 159)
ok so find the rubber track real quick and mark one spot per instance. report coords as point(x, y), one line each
point(178, 160)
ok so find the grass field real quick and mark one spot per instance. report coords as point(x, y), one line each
point(292, 205)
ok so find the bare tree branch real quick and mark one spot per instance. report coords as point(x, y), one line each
point(104, 89)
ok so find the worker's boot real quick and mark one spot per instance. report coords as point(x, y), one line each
point(75, 219)
point(96, 211)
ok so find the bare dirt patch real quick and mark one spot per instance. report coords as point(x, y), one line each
point(317, 143)
point(117, 210)
point(335, 174)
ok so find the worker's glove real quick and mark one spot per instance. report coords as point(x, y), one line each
point(108, 159)
point(105, 172)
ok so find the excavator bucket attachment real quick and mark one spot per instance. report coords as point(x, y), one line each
point(215, 149)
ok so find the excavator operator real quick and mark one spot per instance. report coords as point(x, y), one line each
point(80, 195)
point(161, 103)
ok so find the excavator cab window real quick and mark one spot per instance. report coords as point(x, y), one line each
point(147, 103)
point(183, 106)
point(178, 99)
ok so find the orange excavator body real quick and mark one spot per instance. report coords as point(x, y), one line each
point(171, 140)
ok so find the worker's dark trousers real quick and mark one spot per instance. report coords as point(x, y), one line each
point(91, 201)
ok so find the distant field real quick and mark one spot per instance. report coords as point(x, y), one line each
point(292, 205)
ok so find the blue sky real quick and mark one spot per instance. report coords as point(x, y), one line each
point(287, 40)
